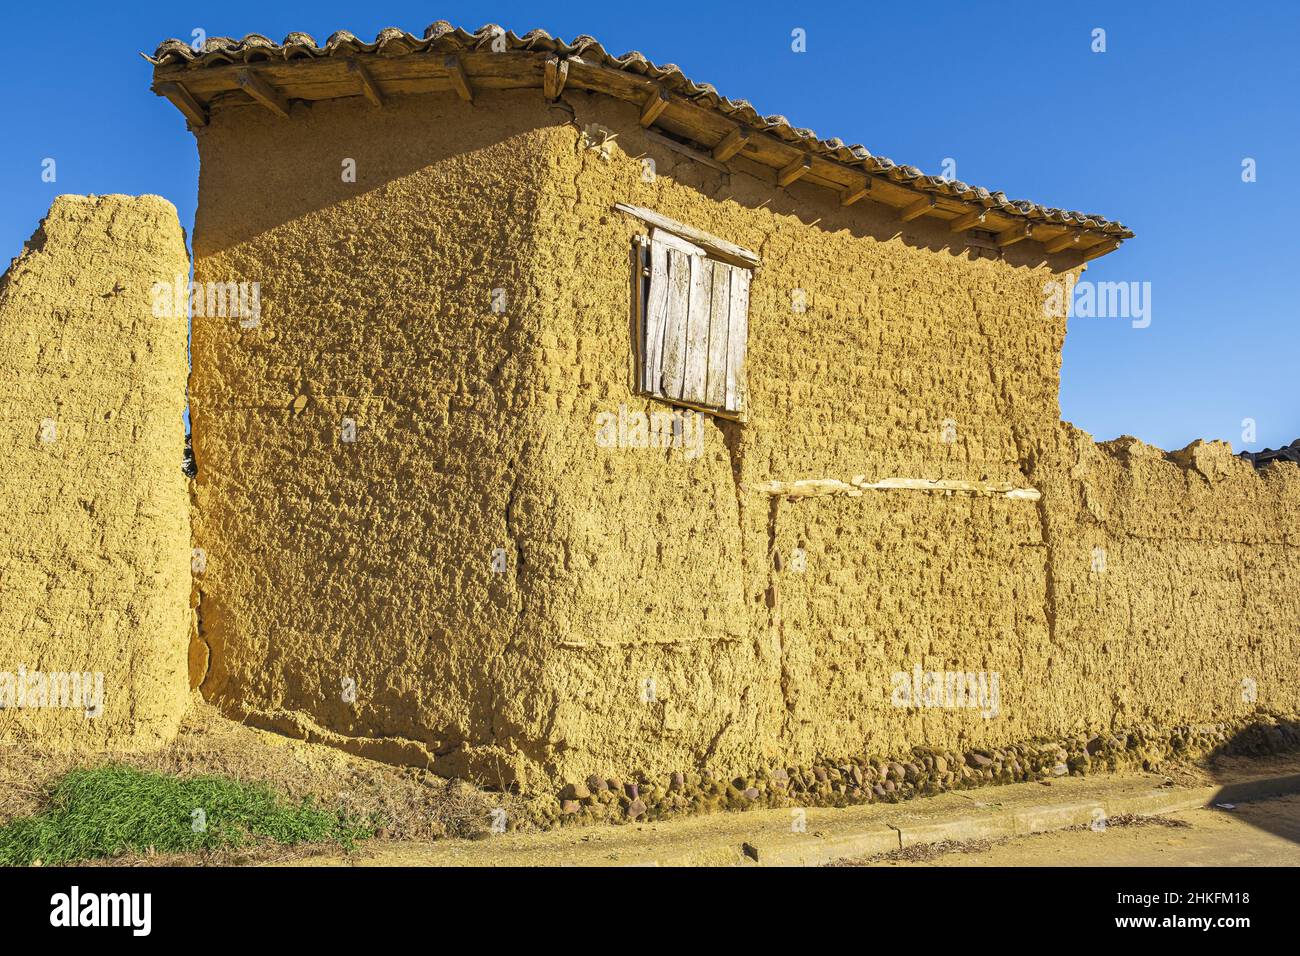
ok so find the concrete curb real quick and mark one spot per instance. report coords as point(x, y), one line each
point(996, 823)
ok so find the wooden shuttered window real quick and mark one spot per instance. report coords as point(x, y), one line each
point(694, 322)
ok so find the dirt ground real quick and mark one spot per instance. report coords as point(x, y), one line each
point(1260, 833)
point(420, 809)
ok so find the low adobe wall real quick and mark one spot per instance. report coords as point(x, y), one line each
point(94, 546)
point(1174, 585)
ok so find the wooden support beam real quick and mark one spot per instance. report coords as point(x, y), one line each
point(858, 485)
point(184, 101)
point(1100, 249)
point(718, 248)
point(1013, 235)
point(917, 209)
point(676, 147)
point(554, 77)
point(654, 105)
point(851, 195)
point(793, 171)
point(969, 221)
point(263, 92)
point(1063, 241)
point(731, 144)
point(456, 70)
point(369, 88)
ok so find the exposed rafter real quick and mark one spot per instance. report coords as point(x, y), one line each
point(555, 75)
point(1009, 237)
point(972, 219)
point(1062, 242)
point(731, 144)
point(793, 171)
point(263, 92)
point(369, 88)
point(459, 81)
point(918, 208)
point(184, 101)
point(851, 195)
point(654, 105)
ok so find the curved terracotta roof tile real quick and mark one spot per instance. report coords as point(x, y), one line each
point(442, 36)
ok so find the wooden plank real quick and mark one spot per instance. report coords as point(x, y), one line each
point(459, 81)
point(656, 319)
point(917, 209)
point(715, 388)
point(793, 171)
point(1100, 249)
point(731, 144)
point(555, 75)
point(851, 195)
point(737, 340)
point(1063, 241)
point(694, 154)
point(677, 242)
point(654, 104)
point(697, 338)
point(369, 88)
point(184, 101)
point(969, 221)
point(263, 92)
point(718, 248)
point(1013, 235)
point(856, 486)
point(673, 367)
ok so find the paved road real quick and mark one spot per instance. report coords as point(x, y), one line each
point(1262, 833)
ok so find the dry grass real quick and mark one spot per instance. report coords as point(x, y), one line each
point(410, 804)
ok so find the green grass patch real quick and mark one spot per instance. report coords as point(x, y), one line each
point(107, 810)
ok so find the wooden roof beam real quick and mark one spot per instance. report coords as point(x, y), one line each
point(263, 92)
point(1100, 249)
point(917, 209)
point(369, 88)
point(184, 101)
point(554, 76)
point(969, 221)
point(1062, 242)
point(1013, 235)
point(459, 81)
point(851, 195)
point(793, 171)
point(732, 143)
point(653, 106)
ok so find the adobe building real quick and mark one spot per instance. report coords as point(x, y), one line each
point(593, 423)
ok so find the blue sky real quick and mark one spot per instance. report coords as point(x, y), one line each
point(1151, 132)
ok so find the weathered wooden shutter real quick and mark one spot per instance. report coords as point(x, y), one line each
point(695, 326)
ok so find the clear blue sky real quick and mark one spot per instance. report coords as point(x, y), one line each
point(1152, 132)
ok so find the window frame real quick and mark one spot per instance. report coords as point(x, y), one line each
point(722, 355)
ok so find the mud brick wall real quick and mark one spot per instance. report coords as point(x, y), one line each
point(375, 592)
point(1174, 582)
point(673, 563)
point(649, 618)
point(94, 545)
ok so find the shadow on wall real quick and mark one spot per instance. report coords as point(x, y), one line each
point(377, 145)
